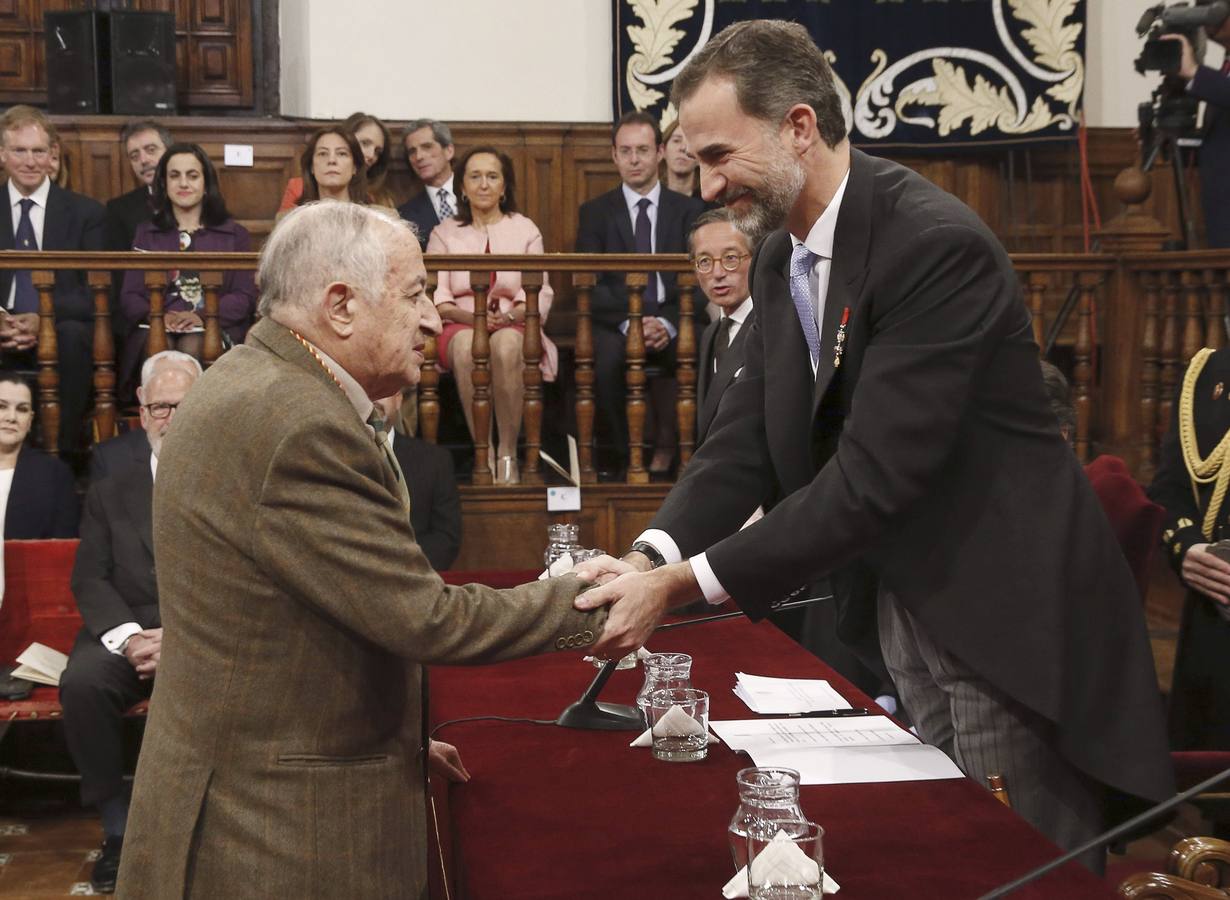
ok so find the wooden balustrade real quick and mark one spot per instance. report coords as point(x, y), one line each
point(1134, 318)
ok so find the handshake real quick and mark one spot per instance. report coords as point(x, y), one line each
point(638, 594)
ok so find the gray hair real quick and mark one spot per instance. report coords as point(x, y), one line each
point(713, 216)
point(774, 65)
point(439, 131)
point(131, 129)
point(324, 242)
point(170, 357)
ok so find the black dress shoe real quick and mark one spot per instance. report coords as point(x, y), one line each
point(102, 879)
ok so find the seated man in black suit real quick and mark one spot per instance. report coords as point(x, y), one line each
point(43, 216)
point(639, 216)
point(429, 151)
point(435, 507)
point(132, 447)
point(722, 255)
point(115, 657)
point(144, 142)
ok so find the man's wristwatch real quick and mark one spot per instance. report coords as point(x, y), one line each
point(656, 559)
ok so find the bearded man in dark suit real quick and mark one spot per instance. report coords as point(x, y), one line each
point(39, 215)
point(144, 142)
point(891, 396)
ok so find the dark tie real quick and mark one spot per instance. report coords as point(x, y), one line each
point(721, 343)
point(377, 423)
point(446, 208)
point(26, 298)
point(1225, 67)
point(644, 244)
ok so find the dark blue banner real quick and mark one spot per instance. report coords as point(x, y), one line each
point(912, 72)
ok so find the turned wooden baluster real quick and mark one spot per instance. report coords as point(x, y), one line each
point(685, 369)
point(48, 359)
point(155, 285)
point(531, 353)
point(429, 382)
point(1168, 369)
point(1215, 309)
point(584, 283)
point(1082, 370)
point(1147, 436)
point(1036, 283)
point(1193, 315)
point(635, 361)
point(481, 376)
point(104, 357)
point(211, 348)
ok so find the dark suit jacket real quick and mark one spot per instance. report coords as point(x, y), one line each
point(419, 211)
point(72, 222)
point(1213, 87)
point(42, 502)
point(605, 227)
point(435, 506)
point(124, 214)
point(113, 576)
point(119, 453)
point(710, 385)
point(931, 458)
point(298, 613)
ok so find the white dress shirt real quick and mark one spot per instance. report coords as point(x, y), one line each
point(38, 215)
point(633, 199)
point(819, 241)
point(6, 485)
point(434, 194)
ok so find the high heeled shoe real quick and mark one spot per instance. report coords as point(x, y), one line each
point(506, 471)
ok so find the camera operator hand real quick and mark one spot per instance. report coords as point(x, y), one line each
point(1187, 63)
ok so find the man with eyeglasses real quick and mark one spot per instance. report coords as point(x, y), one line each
point(43, 216)
point(640, 216)
point(722, 255)
point(115, 658)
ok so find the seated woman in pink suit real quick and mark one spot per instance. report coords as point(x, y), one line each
point(487, 222)
point(189, 216)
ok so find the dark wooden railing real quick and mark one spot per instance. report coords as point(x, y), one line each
point(1135, 317)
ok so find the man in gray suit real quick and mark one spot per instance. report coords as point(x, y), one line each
point(285, 753)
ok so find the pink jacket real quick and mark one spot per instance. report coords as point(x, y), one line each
point(512, 234)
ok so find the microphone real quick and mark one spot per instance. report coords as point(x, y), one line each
point(590, 714)
point(1107, 837)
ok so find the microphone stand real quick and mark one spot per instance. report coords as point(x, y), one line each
point(1129, 826)
point(591, 714)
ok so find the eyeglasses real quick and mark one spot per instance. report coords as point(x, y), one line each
point(730, 262)
point(160, 410)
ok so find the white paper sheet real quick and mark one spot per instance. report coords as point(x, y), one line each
point(838, 751)
point(40, 663)
point(782, 696)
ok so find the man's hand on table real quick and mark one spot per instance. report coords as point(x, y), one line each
point(638, 600)
point(444, 760)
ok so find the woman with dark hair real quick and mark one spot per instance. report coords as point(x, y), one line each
point(333, 167)
point(678, 170)
point(371, 146)
point(37, 500)
point(487, 221)
point(189, 216)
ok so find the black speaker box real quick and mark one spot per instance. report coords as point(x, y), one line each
point(120, 62)
point(143, 63)
point(76, 82)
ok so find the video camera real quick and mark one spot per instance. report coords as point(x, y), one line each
point(1192, 20)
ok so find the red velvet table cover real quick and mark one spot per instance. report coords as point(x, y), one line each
point(558, 814)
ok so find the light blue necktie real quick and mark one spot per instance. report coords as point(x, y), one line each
point(801, 262)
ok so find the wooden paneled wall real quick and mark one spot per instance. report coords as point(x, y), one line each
point(559, 166)
point(213, 49)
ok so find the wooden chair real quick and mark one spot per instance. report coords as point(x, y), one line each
point(1198, 869)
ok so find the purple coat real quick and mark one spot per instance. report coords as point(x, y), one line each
point(236, 300)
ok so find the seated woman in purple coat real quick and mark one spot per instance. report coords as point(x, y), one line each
point(189, 215)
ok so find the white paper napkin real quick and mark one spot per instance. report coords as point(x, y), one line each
point(676, 723)
point(788, 856)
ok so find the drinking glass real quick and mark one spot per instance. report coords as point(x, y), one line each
point(679, 718)
point(785, 860)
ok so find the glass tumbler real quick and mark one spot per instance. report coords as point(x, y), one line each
point(765, 795)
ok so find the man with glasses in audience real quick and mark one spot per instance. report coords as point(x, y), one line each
point(115, 658)
point(429, 151)
point(640, 216)
point(43, 216)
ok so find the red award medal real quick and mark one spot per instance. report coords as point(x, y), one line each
point(841, 338)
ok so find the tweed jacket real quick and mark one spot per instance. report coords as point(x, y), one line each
point(283, 755)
